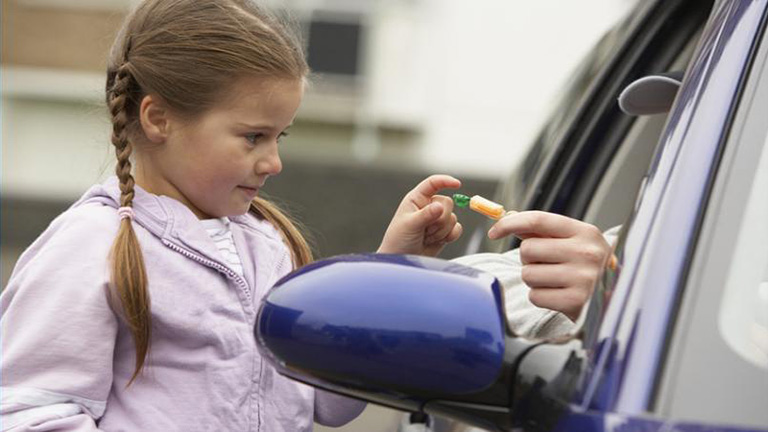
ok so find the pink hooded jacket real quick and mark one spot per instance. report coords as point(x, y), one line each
point(66, 356)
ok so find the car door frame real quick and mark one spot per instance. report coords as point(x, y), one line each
point(656, 251)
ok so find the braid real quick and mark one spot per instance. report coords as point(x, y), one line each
point(128, 271)
point(118, 101)
point(301, 252)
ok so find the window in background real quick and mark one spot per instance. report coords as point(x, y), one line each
point(334, 45)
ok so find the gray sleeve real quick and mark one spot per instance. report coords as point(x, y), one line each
point(524, 318)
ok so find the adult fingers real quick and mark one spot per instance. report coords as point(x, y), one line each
point(536, 224)
point(591, 251)
point(568, 300)
point(545, 250)
point(547, 275)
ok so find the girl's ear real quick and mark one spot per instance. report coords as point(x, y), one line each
point(154, 119)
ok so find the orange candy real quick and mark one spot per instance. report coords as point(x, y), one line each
point(487, 207)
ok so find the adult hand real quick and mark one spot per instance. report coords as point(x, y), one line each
point(562, 258)
point(424, 221)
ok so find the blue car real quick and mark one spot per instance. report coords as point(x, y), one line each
point(675, 338)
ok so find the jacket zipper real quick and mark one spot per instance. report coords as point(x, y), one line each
point(231, 274)
point(243, 285)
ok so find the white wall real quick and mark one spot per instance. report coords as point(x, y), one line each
point(59, 154)
point(473, 79)
point(483, 73)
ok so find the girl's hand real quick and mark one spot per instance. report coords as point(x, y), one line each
point(562, 258)
point(424, 222)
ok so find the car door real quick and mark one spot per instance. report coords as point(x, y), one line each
point(676, 338)
point(683, 332)
point(714, 367)
point(579, 149)
point(639, 372)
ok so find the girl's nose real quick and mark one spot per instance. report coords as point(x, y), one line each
point(270, 163)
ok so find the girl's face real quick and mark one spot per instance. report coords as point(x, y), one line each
point(217, 163)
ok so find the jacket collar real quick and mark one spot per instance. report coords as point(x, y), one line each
point(169, 219)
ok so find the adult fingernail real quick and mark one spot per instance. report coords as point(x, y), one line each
point(492, 233)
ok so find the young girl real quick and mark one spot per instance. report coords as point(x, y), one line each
point(134, 310)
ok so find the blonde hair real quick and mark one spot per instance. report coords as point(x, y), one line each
point(188, 53)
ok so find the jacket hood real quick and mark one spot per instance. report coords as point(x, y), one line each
point(167, 218)
point(158, 214)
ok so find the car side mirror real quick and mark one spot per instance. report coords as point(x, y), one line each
point(412, 333)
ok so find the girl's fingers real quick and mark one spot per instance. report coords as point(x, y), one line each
point(421, 219)
point(444, 224)
point(455, 233)
point(444, 229)
point(536, 224)
point(424, 191)
point(447, 204)
point(450, 238)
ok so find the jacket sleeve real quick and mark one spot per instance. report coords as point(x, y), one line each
point(334, 410)
point(524, 318)
point(58, 332)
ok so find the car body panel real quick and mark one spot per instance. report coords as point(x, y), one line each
point(612, 422)
point(664, 227)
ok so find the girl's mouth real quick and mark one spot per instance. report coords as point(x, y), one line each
point(249, 190)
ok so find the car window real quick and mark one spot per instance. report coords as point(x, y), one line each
point(615, 195)
point(566, 108)
point(717, 364)
point(564, 168)
point(518, 189)
point(743, 315)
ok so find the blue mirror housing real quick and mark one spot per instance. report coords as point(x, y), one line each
point(403, 331)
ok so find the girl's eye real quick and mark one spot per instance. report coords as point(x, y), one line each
point(252, 138)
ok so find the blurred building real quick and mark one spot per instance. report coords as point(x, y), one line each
point(402, 88)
